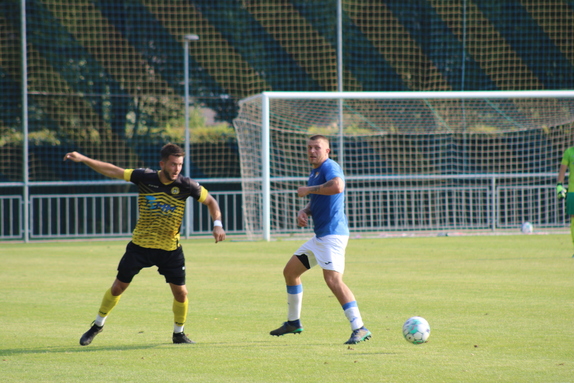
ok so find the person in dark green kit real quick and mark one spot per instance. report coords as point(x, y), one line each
point(567, 164)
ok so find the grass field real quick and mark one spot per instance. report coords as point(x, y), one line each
point(500, 310)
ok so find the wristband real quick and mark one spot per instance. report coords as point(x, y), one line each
point(217, 223)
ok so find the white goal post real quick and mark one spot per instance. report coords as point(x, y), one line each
point(412, 160)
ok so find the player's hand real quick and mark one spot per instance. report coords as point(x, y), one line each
point(302, 191)
point(302, 218)
point(218, 234)
point(561, 191)
point(74, 156)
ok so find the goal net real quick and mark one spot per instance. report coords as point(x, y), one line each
point(412, 160)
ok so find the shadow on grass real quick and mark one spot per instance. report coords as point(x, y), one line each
point(132, 347)
point(73, 349)
point(68, 349)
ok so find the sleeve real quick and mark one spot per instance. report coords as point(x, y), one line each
point(136, 175)
point(334, 170)
point(565, 158)
point(195, 189)
point(203, 194)
point(128, 175)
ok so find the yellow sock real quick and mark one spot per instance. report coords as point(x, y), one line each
point(108, 303)
point(179, 315)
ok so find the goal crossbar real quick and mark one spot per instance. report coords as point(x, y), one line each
point(430, 95)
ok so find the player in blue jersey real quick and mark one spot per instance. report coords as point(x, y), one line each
point(155, 239)
point(325, 188)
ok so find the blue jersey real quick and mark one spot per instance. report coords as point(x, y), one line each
point(328, 211)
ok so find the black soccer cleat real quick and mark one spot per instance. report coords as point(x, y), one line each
point(89, 335)
point(359, 335)
point(286, 328)
point(180, 337)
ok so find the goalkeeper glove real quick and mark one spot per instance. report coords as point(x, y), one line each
point(561, 191)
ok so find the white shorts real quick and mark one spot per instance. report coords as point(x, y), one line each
point(327, 252)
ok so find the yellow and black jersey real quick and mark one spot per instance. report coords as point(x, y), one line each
point(161, 207)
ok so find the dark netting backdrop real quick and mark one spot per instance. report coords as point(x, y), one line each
point(105, 77)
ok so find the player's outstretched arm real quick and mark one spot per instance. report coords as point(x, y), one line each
point(104, 168)
point(213, 207)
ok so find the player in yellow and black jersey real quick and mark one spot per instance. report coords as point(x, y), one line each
point(161, 207)
point(155, 240)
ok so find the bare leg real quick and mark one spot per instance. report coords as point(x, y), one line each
point(335, 282)
point(179, 292)
point(293, 271)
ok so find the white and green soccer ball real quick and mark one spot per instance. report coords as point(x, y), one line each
point(526, 228)
point(416, 330)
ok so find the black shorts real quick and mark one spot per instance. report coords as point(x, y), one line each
point(170, 264)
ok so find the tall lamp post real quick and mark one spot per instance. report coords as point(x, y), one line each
point(186, 169)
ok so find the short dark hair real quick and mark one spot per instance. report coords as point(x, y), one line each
point(319, 137)
point(171, 150)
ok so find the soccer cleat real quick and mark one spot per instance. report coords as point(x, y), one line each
point(286, 328)
point(89, 335)
point(181, 338)
point(359, 335)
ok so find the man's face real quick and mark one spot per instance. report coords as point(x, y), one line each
point(171, 167)
point(317, 151)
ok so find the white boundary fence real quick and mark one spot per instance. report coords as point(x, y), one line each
point(488, 207)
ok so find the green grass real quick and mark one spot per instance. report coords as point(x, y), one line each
point(500, 310)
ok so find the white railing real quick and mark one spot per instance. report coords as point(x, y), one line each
point(379, 209)
point(114, 215)
point(11, 222)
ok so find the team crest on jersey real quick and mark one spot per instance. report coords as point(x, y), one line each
point(175, 190)
point(316, 174)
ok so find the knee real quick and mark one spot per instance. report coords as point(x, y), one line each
point(333, 280)
point(180, 294)
point(118, 287)
point(331, 283)
point(287, 276)
point(286, 272)
point(291, 276)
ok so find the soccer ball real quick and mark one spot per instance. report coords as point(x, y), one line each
point(416, 330)
point(526, 228)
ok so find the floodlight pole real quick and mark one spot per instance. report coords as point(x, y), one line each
point(340, 87)
point(186, 164)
